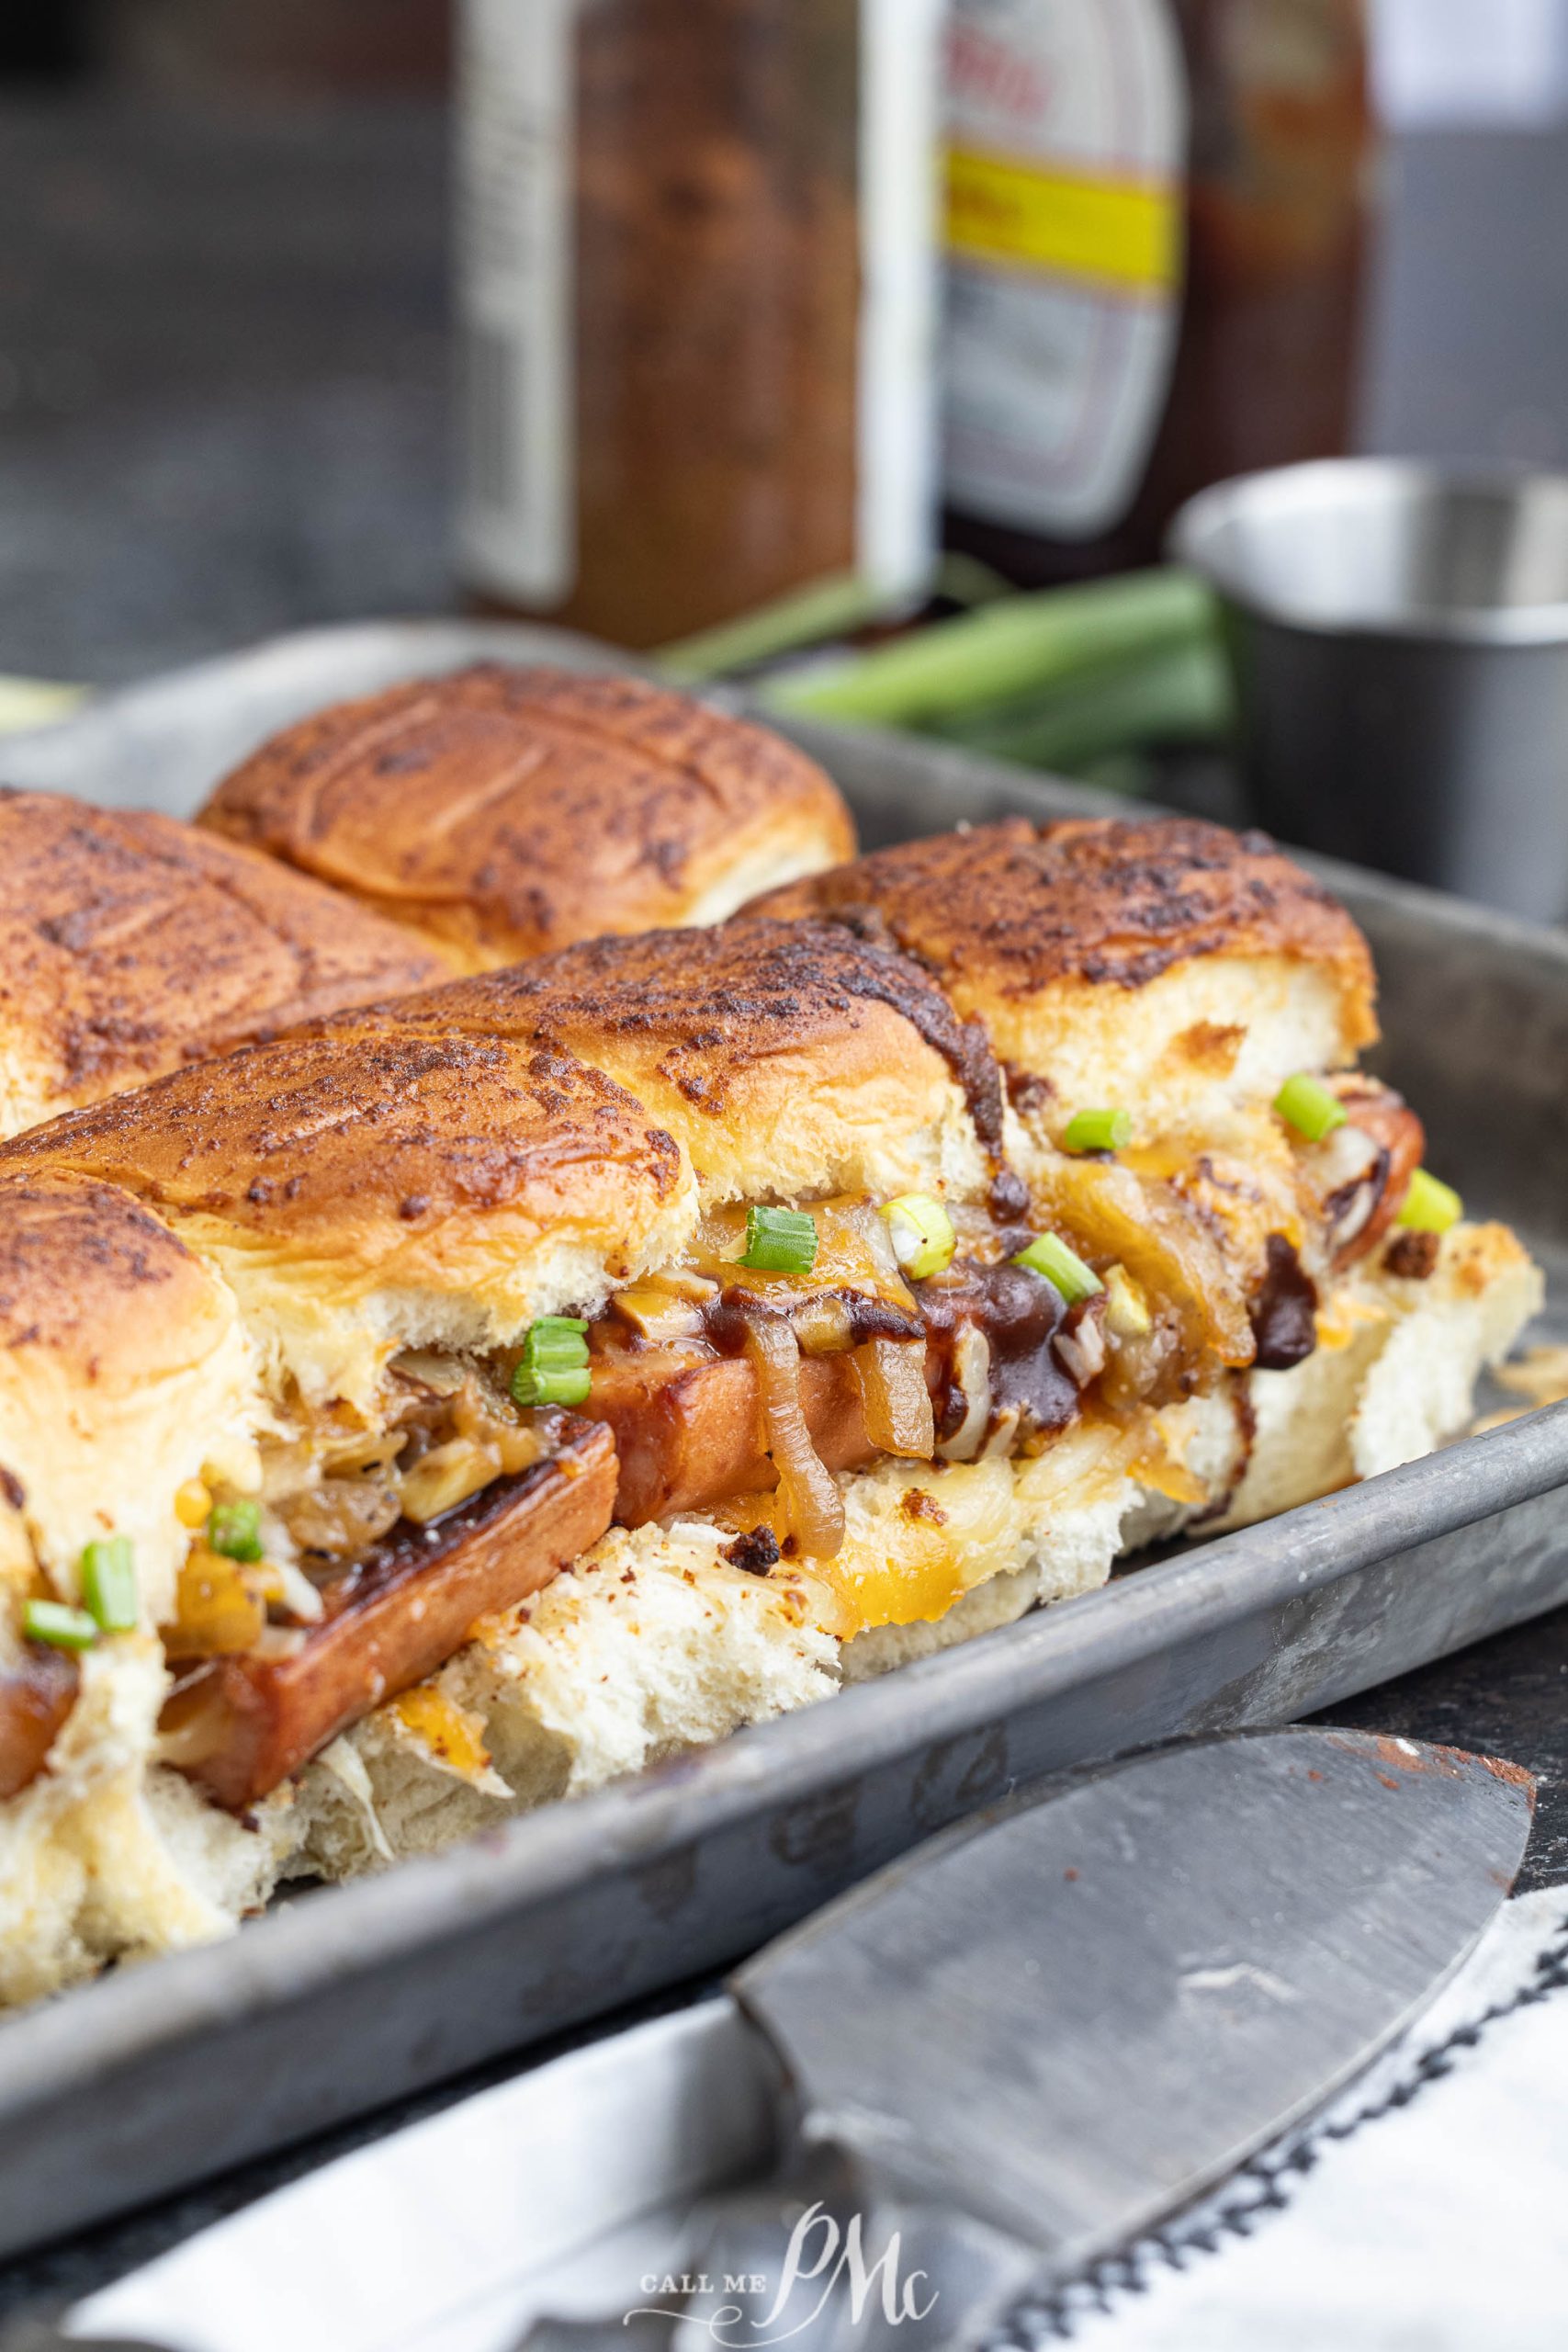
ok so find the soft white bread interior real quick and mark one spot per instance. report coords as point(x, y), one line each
point(107, 1856)
point(652, 1645)
point(1393, 1374)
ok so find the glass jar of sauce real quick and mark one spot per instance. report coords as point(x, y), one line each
point(697, 295)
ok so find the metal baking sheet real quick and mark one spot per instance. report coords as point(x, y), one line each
point(344, 1998)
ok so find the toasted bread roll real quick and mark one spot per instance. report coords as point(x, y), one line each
point(123, 1372)
point(130, 944)
point(501, 813)
point(389, 1184)
point(1180, 975)
point(123, 1368)
point(786, 1058)
point(1176, 975)
point(1160, 963)
point(792, 1062)
point(201, 1371)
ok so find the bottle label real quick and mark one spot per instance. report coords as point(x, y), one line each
point(1067, 145)
point(516, 524)
point(900, 130)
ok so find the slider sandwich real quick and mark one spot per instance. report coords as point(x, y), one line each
point(130, 944)
point(1178, 1011)
point(425, 1422)
point(473, 1398)
point(500, 813)
point(261, 1464)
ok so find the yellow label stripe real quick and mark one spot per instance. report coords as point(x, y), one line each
point(1124, 231)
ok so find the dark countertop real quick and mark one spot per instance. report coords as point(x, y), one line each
point(222, 379)
point(223, 412)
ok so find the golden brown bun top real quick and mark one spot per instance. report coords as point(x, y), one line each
point(88, 1277)
point(784, 1055)
point(504, 812)
point(1014, 910)
point(370, 1138)
point(130, 944)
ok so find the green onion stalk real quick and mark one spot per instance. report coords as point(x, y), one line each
point(1017, 648)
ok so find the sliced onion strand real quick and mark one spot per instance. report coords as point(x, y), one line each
point(813, 1504)
point(895, 1398)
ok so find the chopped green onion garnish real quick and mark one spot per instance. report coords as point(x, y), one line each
point(553, 1367)
point(556, 1338)
point(923, 1234)
point(780, 1241)
point(1431, 1205)
point(567, 1387)
point(62, 1627)
point(1306, 1104)
point(1049, 1255)
point(234, 1529)
point(108, 1583)
point(1098, 1131)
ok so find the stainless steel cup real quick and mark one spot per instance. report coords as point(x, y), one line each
point(1399, 635)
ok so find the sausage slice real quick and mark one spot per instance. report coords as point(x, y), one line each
point(239, 1726)
point(690, 1434)
point(36, 1696)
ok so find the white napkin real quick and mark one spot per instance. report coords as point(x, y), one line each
point(1426, 2212)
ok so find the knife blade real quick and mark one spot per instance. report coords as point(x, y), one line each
point(1168, 1962)
point(1017, 2047)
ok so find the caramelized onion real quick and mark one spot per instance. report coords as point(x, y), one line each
point(491, 1422)
point(1002, 1438)
point(342, 1516)
point(895, 1398)
point(442, 1479)
point(823, 1326)
point(812, 1503)
point(1082, 1350)
point(441, 1374)
point(972, 1378)
point(659, 1315)
point(1160, 1237)
point(193, 1725)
